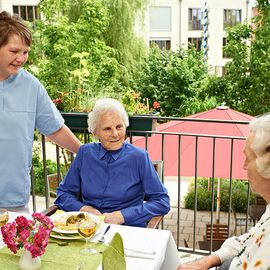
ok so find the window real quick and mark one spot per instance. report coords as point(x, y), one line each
point(224, 71)
point(195, 17)
point(160, 19)
point(197, 42)
point(224, 43)
point(163, 44)
point(231, 17)
point(28, 13)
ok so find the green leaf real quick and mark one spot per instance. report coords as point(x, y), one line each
point(113, 256)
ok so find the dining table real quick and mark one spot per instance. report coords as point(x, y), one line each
point(145, 249)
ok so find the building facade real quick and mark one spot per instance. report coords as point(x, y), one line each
point(174, 23)
point(27, 9)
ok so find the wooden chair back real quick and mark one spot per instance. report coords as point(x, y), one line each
point(220, 232)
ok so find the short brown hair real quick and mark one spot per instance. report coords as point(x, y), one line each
point(13, 25)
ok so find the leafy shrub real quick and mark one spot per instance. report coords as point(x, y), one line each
point(204, 195)
point(39, 173)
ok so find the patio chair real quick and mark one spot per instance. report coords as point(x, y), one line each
point(220, 234)
point(153, 223)
point(256, 210)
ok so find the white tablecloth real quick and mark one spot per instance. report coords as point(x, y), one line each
point(160, 241)
point(142, 239)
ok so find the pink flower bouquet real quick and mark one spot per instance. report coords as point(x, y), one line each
point(31, 234)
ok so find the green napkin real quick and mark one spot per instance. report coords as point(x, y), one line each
point(114, 256)
point(57, 257)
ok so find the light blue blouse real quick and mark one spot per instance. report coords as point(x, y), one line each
point(24, 106)
point(114, 180)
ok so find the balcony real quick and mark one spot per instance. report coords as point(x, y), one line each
point(188, 226)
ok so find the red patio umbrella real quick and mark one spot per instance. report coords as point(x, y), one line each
point(205, 146)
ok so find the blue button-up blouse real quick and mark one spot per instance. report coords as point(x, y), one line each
point(114, 180)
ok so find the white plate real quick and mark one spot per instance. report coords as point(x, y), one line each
point(64, 216)
point(76, 236)
point(66, 236)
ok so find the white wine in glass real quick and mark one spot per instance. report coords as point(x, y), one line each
point(87, 228)
point(3, 216)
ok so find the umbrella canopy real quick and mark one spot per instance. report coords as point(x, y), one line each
point(205, 145)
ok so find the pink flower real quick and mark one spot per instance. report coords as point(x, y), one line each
point(31, 234)
point(58, 101)
point(156, 105)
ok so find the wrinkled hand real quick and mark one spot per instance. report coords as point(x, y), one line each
point(202, 264)
point(115, 217)
point(198, 265)
point(90, 209)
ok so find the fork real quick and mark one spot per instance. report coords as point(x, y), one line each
point(102, 239)
point(80, 266)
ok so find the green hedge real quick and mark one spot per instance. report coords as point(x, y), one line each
point(39, 173)
point(204, 195)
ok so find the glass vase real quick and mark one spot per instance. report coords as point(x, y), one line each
point(26, 261)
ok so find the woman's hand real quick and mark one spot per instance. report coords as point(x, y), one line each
point(198, 265)
point(90, 209)
point(202, 264)
point(115, 217)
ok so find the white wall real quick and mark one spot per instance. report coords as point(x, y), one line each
point(7, 4)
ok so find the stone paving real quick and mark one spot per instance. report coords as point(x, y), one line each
point(186, 225)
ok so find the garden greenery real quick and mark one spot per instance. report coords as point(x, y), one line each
point(204, 195)
point(86, 49)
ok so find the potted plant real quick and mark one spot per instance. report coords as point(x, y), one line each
point(141, 117)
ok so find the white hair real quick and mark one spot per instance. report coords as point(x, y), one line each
point(260, 128)
point(102, 106)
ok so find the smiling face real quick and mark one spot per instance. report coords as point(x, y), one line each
point(13, 55)
point(111, 131)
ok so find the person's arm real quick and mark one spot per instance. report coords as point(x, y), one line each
point(158, 201)
point(202, 264)
point(66, 139)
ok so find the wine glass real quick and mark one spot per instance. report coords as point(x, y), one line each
point(87, 229)
point(3, 216)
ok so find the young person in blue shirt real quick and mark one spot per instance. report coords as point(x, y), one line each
point(113, 176)
point(24, 106)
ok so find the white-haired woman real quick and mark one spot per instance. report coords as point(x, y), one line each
point(251, 250)
point(113, 176)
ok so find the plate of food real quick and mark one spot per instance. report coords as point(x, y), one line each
point(65, 236)
point(67, 223)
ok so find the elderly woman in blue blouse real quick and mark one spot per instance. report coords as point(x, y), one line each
point(251, 250)
point(113, 176)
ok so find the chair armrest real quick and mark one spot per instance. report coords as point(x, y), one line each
point(154, 222)
point(51, 210)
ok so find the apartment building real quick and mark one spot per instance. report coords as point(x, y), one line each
point(174, 23)
point(27, 9)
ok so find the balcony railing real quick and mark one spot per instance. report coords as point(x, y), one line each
point(174, 220)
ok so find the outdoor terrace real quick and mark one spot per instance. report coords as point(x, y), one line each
point(222, 148)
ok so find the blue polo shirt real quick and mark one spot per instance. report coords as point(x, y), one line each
point(114, 180)
point(24, 106)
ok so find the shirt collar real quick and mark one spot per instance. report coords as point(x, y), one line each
point(115, 154)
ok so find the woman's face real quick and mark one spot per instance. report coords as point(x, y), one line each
point(13, 55)
point(111, 131)
point(257, 182)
